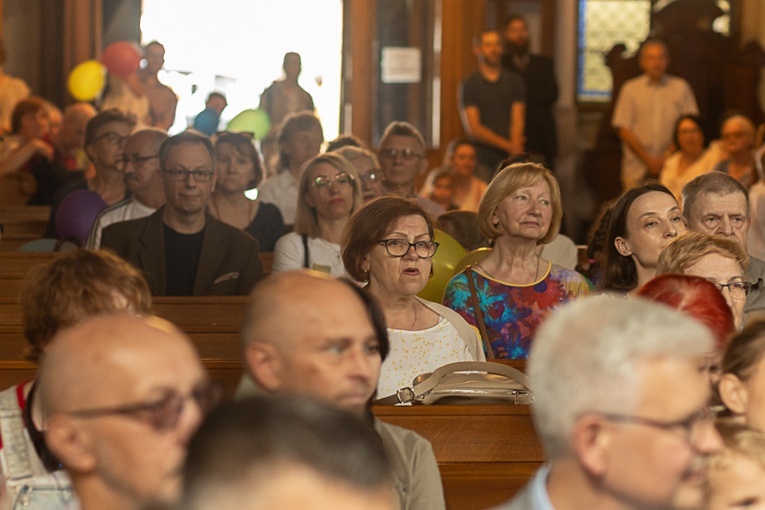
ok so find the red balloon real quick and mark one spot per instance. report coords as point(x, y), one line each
point(121, 58)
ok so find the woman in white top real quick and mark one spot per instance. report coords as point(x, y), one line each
point(328, 193)
point(389, 245)
point(692, 157)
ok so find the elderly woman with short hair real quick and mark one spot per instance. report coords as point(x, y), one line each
point(328, 193)
point(720, 260)
point(514, 287)
point(389, 246)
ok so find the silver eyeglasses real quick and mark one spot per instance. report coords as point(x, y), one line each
point(689, 429)
point(406, 154)
point(400, 247)
point(137, 161)
point(738, 290)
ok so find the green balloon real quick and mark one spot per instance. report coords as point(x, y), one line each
point(256, 122)
point(449, 253)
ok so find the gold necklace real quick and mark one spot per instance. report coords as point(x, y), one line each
point(536, 272)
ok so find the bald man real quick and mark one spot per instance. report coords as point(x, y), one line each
point(121, 396)
point(143, 179)
point(333, 353)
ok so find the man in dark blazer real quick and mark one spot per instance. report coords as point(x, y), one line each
point(181, 249)
point(541, 88)
point(621, 408)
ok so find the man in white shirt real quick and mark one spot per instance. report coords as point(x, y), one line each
point(622, 412)
point(645, 114)
point(143, 179)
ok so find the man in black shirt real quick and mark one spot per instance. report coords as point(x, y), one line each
point(541, 88)
point(180, 249)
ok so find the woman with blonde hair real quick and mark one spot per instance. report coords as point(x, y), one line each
point(715, 258)
point(508, 293)
point(328, 193)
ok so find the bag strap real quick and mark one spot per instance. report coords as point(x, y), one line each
point(410, 394)
point(479, 314)
point(305, 251)
point(460, 324)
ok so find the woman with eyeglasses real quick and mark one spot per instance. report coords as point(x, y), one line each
point(716, 258)
point(388, 245)
point(329, 191)
point(366, 165)
point(239, 170)
point(507, 294)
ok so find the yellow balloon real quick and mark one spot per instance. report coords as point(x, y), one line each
point(444, 261)
point(86, 80)
point(472, 258)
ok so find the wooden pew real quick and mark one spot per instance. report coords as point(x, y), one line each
point(485, 453)
point(30, 219)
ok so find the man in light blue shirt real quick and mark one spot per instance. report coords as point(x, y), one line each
point(621, 408)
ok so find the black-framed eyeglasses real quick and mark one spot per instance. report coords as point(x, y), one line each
point(179, 174)
point(738, 290)
point(690, 429)
point(400, 247)
point(135, 160)
point(111, 137)
point(406, 154)
point(341, 180)
point(163, 413)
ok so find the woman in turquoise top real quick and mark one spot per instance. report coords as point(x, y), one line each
point(514, 286)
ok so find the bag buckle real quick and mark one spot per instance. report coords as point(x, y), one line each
point(405, 395)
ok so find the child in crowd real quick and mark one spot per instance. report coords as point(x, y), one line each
point(736, 475)
point(443, 191)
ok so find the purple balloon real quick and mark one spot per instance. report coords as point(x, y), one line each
point(76, 213)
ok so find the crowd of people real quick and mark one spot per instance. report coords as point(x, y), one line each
point(647, 395)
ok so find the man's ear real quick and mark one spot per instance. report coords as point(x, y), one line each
point(591, 439)
point(265, 366)
point(70, 443)
point(733, 393)
point(622, 246)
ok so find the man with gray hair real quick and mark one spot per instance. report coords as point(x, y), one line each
point(717, 204)
point(621, 409)
point(143, 179)
point(180, 248)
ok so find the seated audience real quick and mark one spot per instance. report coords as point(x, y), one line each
point(61, 294)
point(692, 157)
point(180, 249)
point(716, 203)
point(27, 154)
point(388, 245)
point(513, 286)
point(334, 354)
point(300, 138)
point(643, 222)
point(701, 299)
point(239, 170)
point(264, 452)
point(736, 476)
point(143, 180)
point(442, 191)
point(329, 193)
point(462, 162)
point(120, 397)
point(621, 408)
point(366, 165)
point(743, 376)
point(715, 258)
point(105, 137)
point(403, 161)
point(348, 140)
point(738, 135)
point(70, 142)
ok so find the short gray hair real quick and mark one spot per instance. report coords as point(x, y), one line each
point(718, 183)
point(585, 358)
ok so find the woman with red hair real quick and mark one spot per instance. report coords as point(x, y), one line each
point(699, 298)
